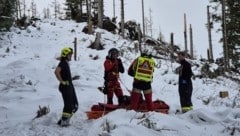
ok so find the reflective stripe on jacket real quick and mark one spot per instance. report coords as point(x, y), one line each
point(144, 69)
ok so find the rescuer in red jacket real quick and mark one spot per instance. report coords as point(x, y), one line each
point(112, 66)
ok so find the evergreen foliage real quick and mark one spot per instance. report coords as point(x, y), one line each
point(74, 9)
point(7, 9)
point(232, 27)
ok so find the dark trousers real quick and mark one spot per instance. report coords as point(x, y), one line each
point(185, 93)
point(69, 99)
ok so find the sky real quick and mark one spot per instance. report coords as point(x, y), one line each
point(27, 63)
point(168, 17)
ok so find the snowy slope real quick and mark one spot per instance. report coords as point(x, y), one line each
point(28, 80)
point(167, 18)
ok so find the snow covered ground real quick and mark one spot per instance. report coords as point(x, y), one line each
point(27, 63)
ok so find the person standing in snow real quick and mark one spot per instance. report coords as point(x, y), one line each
point(112, 66)
point(141, 70)
point(63, 74)
point(185, 84)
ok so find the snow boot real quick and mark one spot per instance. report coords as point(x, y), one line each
point(121, 101)
point(109, 100)
point(65, 120)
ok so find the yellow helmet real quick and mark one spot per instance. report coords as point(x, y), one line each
point(66, 51)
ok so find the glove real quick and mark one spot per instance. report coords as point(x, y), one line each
point(105, 90)
point(119, 61)
point(131, 72)
point(184, 82)
point(193, 77)
point(65, 83)
point(120, 66)
point(76, 77)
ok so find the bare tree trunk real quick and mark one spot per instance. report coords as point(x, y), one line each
point(185, 33)
point(89, 18)
point(33, 8)
point(48, 13)
point(100, 13)
point(114, 16)
point(208, 54)
point(55, 9)
point(29, 15)
point(24, 8)
point(19, 8)
point(139, 37)
point(75, 48)
point(87, 6)
point(16, 4)
point(191, 42)
point(146, 25)
point(122, 18)
point(150, 22)
point(209, 26)
point(143, 23)
point(171, 47)
point(81, 7)
point(90, 27)
point(225, 44)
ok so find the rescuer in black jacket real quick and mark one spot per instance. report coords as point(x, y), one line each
point(185, 83)
point(63, 74)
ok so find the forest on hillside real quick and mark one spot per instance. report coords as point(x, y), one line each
point(224, 12)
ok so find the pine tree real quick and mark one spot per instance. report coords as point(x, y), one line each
point(232, 12)
point(75, 8)
point(7, 9)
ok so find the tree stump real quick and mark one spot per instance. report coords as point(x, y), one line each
point(97, 43)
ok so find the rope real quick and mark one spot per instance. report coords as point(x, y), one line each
point(124, 85)
point(105, 101)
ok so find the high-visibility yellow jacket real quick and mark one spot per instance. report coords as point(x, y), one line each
point(144, 69)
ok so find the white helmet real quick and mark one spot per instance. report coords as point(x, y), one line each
point(146, 51)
